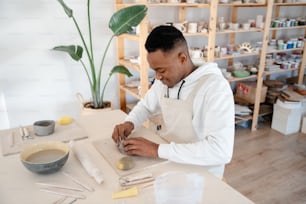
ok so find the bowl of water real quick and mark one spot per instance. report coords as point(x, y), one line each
point(45, 157)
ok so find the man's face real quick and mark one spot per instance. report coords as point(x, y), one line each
point(169, 67)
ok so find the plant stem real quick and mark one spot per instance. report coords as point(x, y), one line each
point(86, 71)
point(89, 29)
point(101, 65)
point(102, 95)
point(92, 67)
point(95, 97)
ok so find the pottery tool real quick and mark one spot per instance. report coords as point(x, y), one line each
point(136, 179)
point(61, 200)
point(79, 182)
point(74, 200)
point(130, 192)
point(72, 195)
point(59, 186)
point(24, 132)
point(120, 146)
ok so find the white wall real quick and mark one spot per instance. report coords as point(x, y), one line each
point(35, 82)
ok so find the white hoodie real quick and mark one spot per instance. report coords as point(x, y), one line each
point(213, 119)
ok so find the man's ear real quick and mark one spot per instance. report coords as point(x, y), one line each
point(182, 57)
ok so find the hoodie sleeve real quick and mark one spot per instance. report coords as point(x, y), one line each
point(147, 106)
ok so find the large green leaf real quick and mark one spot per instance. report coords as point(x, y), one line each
point(68, 10)
point(75, 51)
point(120, 69)
point(125, 19)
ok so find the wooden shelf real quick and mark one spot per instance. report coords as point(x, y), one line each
point(234, 79)
point(264, 110)
point(279, 71)
point(239, 119)
point(195, 34)
point(239, 31)
point(290, 4)
point(131, 91)
point(195, 5)
point(236, 56)
point(288, 28)
point(129, 64)
point(242, 4)
point(288, 50)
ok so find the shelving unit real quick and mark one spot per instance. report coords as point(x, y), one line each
point(142, 67)
point(232, 40)
point(277, 7)
point(211, 36)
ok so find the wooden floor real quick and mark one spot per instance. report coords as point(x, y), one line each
point(268, 167)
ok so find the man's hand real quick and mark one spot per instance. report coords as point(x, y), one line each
point(141, 147)
point(122, 130)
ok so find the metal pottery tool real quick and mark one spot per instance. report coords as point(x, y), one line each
point(120, 146)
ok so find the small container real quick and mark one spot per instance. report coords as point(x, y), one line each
point(280, 46)
point(258, 46)
point(252, 23)
point(272, 42)
point(285, 65)
point(289, 45)
point(299, 44)
point(253, 70)
point(44, 127)
point(223, 51)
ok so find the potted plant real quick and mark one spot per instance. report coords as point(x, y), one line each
point(120, 22)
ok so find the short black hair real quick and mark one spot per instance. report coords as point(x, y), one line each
point(164, 38)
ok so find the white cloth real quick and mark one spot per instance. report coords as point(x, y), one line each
point(212, 119)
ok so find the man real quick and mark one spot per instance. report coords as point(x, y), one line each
point(196, 104)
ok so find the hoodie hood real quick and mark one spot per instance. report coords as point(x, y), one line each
point(205, 69)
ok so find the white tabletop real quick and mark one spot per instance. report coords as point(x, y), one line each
point(18, 184)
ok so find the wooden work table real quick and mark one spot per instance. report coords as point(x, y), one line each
point(18, 184)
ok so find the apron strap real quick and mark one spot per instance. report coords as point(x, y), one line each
point(193, 93)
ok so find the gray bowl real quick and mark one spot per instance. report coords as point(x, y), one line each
point(45, 157)
point(44, 127)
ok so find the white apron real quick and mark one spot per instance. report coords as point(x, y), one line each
point(177, 117)
point(176, 125)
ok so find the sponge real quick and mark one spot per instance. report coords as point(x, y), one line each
point(126, 193)
point(65, 120)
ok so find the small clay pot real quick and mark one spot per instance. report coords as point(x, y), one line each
point(44, 127)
